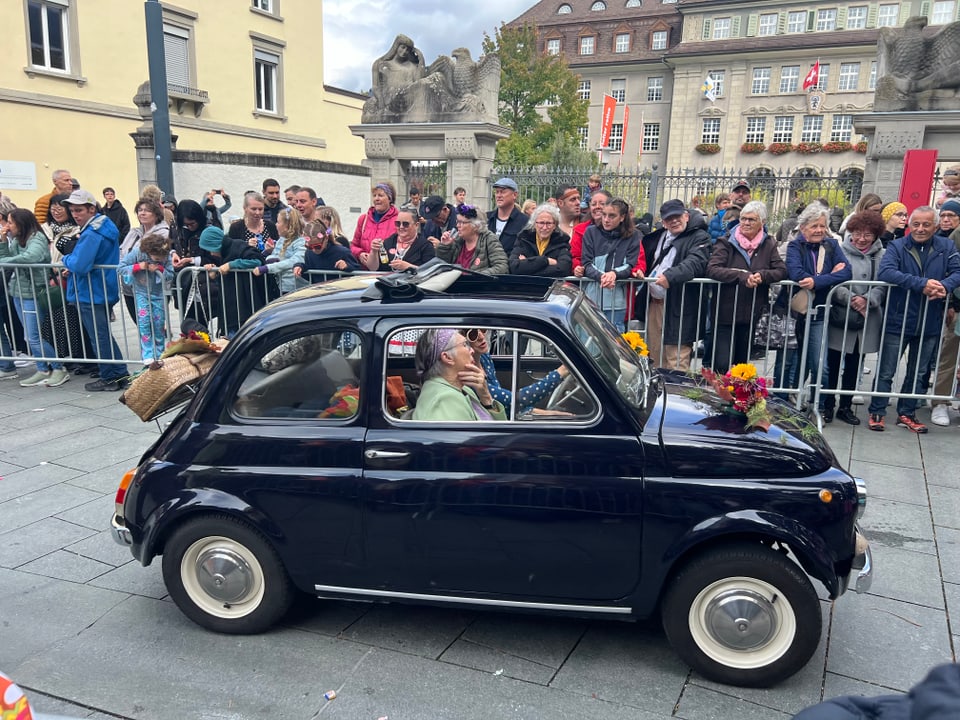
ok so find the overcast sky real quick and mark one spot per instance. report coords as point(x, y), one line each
point(356, 32)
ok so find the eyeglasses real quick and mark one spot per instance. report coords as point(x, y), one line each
point(474, 334)
point(863, 234)
point(463, 222)
point(948, 215)
point(900, 214)
point(402, 223)
point(749, 219)
point(456, 346)
point(544, 223)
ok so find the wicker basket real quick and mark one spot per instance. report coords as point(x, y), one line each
point(162, 388)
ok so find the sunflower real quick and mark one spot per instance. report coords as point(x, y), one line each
point(744, 371)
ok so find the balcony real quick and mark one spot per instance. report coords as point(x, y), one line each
point(181, 95)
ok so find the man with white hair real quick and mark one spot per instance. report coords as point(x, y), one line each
point(62, 183)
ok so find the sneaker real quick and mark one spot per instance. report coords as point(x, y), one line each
point(38, 378)
point(8, 374)
point(105, 385)
point(910, 422)
point(875, 423)
point(22, 360)
point(940, 415)
point(57, 378)
point(866, 370)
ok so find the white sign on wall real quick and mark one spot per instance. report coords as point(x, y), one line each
point(17, 175)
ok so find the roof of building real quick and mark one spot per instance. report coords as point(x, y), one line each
point(545, 13)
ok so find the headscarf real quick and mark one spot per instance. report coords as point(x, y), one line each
point(387, 191)
point(890, 209)
point(441, 341)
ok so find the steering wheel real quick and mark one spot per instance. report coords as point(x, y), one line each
point(567, 392)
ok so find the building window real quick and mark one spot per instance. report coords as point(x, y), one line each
point(812, 128)
point(654, 89)
point(783, 129)
point(658, 40)
point(857, 17)
point(756, 129)
point(616, 136)
point(824, 76)
point(265, 5)
point(761, 81)
point(618, 89)
point(553, 46)
point(849, 76)
point(711, 131)
point(564, 9)
point(719, 76)
point(721, 28)
point(177, 53)
point(796, 22)
point(842, 129)
point(583, 90)
point(826, 19)
point(633, 3)
point(944, 11)
point(887, 15)
point(583, 133)
point(651, 137)
point(598, 6)
point(768, 24)
point(49, 35)
point(586, 45)
point(621, 43)
point(872, 82)
point(267, 69)
point(789, 78)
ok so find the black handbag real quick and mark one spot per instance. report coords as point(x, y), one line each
point(842, 316)
point(776, 331)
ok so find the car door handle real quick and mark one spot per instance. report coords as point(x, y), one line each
point(386, 454)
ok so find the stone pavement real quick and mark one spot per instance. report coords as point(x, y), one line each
point(87, 632)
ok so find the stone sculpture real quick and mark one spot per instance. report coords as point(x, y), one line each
point(406, 90)
point(916, 70)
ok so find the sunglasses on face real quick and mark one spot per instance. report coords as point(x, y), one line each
point(402, 223)
point(474, 334)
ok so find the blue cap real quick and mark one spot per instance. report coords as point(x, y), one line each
point(506, 183)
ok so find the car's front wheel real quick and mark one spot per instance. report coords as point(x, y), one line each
point(742, 615)
point(225, 576)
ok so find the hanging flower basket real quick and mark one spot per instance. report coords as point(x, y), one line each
point(861, 147)
point(707, 148)
point(836, 147)
point(753, 148)
point(808, 148)
point(779, 148)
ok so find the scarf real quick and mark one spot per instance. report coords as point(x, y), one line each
point(750, 246)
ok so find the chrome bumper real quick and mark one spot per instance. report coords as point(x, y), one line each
point(120, 534)
point(861, 571)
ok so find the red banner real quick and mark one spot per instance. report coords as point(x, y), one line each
point(609, 107)
point(623, 142)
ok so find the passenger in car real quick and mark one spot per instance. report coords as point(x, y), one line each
point(454, 387)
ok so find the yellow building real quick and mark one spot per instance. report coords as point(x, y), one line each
point(244, 76)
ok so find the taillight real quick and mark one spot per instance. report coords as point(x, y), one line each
point(122, 490)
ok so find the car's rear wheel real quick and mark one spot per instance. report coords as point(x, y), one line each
point(225, 576)
point(743, 615)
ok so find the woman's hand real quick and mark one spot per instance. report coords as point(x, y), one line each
point(298, 271)
point(753, 280)
point(340, 265)
point(269, 244)
point(473, 376)
point(838, 267)
point(608, 279)
point(807, 283)
point(363, 257)
point(400, 265)
point(446, 238)
point(256, 272)
point(578, 271)
point(859, 304)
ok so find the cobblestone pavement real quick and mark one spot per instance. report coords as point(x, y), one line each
point(89, 633)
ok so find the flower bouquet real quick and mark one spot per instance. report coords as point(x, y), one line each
point(745, 391)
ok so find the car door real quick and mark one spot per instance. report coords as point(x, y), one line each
point(531, 508)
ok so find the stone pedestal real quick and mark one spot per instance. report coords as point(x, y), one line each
point(467, 148)
point(891, 134)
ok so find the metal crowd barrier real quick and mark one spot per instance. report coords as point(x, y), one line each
point(222, 303)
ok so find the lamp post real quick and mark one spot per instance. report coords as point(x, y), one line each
point(159, 108)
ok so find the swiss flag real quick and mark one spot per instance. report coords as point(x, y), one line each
point(813, 77)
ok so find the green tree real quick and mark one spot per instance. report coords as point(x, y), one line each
point(530, 80)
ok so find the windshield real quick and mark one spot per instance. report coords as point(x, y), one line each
point(611, 353)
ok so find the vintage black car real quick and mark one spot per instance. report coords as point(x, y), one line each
point(301, 465)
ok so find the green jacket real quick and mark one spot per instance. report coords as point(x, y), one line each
point(439, 400)
point(28, 283)
point(489, 256)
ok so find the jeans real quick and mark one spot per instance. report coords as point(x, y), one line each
point(919, 348)
point(96, 321)
point(31, 317)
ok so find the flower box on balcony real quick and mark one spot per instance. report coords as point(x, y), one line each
point(753, 147)
point(707, 148)
point(779, 148)
point(836, 147)
point(861, 147)
point(808, 148)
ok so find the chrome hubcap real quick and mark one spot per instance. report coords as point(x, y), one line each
point(741, 619)
point(224, 575)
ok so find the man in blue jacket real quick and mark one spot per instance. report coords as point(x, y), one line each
point(924, 269)
point(93, 288)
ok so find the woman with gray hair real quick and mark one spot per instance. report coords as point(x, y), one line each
point(542, 248)
point(472, 245)
point(816, 263)
point(453, 386)
point(747, 263)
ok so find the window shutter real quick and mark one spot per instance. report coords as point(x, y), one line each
point(781, 23)
point(841, 18)
point(904, 13)
point(176, 49)
point(735, 27)
point(872, 15)
point(752, 25)
point(706, 29)
point(925, 9)
point(811, 19)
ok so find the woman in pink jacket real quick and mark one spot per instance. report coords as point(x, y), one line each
point(377, 223)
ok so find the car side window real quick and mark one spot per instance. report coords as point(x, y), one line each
point(310, 377)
